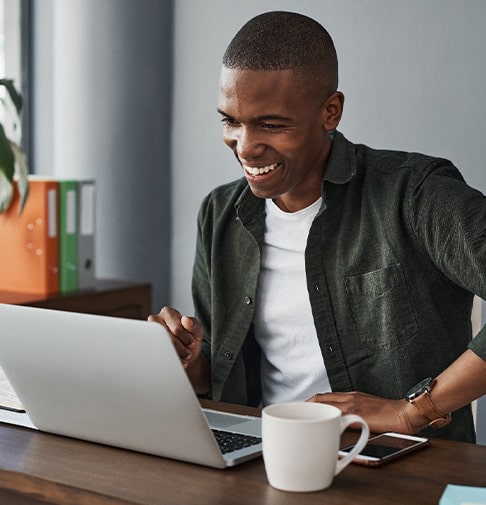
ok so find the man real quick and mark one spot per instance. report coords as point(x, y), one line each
point(331, 266)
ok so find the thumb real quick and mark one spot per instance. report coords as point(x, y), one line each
point(187, 322)
point(191, 324)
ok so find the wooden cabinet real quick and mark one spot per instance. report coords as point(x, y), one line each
point(108, 297)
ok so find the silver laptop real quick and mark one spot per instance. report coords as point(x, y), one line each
point(117, 382)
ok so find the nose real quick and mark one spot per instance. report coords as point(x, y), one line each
point(245, 143)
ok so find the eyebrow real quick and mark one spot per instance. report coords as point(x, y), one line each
point(266, 117)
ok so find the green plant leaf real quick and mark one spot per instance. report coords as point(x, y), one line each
point(14, 95)
point(6, 192)
point(7, 160)
point(22, 173)
point(12, 159)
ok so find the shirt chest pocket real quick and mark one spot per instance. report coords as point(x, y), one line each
point(381, 307)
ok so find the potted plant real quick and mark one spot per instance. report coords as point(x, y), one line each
point(13, 163)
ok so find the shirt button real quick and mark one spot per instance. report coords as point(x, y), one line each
point(247, 300)
point(228, 355)
point(316, 286)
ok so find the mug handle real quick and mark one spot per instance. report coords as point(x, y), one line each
point(365, 433)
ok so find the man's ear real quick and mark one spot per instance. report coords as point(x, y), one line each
point(332, 111)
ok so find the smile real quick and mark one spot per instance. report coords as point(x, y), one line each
point(260, 170)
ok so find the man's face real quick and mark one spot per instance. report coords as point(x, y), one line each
point(275, 123)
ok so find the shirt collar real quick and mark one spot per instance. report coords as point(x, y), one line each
point(341, 164)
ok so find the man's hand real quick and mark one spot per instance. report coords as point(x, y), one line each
point(380, 414)
point(185, 332)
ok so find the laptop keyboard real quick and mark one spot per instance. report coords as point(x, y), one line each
point(229, 441)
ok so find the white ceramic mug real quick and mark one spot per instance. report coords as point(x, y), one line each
point(301, 444)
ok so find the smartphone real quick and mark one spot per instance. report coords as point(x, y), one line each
point(385, 447)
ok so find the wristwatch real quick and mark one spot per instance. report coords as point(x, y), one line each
point(420, 397)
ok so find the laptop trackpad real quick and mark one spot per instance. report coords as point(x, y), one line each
point(233, 422)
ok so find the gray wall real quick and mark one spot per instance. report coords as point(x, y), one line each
point(413, 74)
point(102, 95)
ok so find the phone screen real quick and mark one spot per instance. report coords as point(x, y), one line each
point(385, 446)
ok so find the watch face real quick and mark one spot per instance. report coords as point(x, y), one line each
point(419, 388)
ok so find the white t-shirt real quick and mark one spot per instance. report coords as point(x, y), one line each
point(292, 365)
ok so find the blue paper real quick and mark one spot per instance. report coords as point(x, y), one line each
point(463, 495)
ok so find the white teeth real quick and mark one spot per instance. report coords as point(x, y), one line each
point(261, 170)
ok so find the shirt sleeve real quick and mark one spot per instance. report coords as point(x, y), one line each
point(449, 218)
point(478, 344)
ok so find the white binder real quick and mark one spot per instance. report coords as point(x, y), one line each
point(86, 234)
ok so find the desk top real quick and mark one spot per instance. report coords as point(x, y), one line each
point(38, 467)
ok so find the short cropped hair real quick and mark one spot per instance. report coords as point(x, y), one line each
point(282, 40)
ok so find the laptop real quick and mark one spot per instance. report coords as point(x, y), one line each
point(117, 382)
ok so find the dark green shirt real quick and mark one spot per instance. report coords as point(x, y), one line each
point(393, 258)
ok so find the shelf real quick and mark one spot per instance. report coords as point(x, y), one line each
point(108, 297)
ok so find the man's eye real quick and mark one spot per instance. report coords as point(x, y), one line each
point(271, 126)
point(227, 121)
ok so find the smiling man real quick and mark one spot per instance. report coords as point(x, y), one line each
point(331, 272)
point(277, 125)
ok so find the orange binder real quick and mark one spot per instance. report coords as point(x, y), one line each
point(29, 253)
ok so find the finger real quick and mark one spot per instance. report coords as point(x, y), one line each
point(338, 400)
point(192, 325)
point(188, 323)
point(323, 398)
point(182, 351)
point(171, 319)
point(340, 397)
point(166, 317)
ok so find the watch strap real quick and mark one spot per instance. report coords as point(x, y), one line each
point(429, 411)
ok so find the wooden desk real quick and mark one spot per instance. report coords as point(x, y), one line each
point(40, 468)
point(107, 297)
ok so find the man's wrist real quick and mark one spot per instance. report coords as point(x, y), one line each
point(424, 407)
point(413, 418)
point(199, 374)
